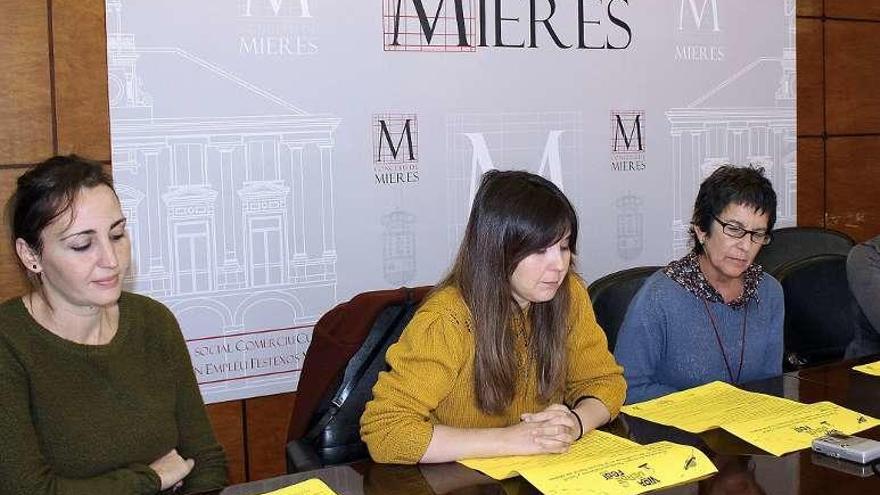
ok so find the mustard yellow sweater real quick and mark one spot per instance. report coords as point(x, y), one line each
point(432, 374)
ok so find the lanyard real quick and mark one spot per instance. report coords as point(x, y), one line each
point(742, 347)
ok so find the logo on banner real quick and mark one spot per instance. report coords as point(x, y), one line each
point(697, 20)
point(395, 148)
point(399, 247)
point(276, 28)
point(630, 226)
point(628, 140)
point(549, 144)
point(699, 13)
point(465, 25)
point(481, 160)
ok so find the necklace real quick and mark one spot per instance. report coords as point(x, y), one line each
point(742, 347)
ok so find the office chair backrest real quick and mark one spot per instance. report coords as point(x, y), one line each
point(796, 243)
point(819, 310)
point(612, 294)
point(344, 359)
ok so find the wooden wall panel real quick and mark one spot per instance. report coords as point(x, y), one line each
point(853, 182)
point(811, 181)
point(853, 9)
point(809, 8)
point(852, 60)
point(82, 107)
point(26, 133)
point(267, 420)
point(227, 419)
point(810, 77)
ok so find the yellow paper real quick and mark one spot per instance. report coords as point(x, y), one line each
point(710, 406)
point(313, 486)
point(603, 463)
point(773, 424)
point(638, 470)
point(786, 434)
point(870, 368)
point(592, 445)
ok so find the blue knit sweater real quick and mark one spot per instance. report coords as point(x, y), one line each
point(667, 343)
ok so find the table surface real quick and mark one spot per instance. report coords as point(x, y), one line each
point(743, 468)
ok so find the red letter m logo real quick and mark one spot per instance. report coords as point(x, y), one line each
point(403, 30)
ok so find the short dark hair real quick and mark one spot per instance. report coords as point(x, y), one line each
point(514, 215)
point(728, 185)
point(48, 191)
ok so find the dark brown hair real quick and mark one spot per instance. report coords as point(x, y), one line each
point(514, 214)
point(48, 191)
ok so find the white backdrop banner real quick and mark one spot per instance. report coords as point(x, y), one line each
point(275, 157)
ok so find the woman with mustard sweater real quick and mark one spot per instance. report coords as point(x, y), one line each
point(505, 357)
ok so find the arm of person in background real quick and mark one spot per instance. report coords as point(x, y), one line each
point(640, 347)
point(863, 273)
point(424, 366)
point(195, 434)
point(23, 469)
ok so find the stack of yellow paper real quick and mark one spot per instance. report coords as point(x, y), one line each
point(870, 368)
point(313, 486)
point(773, 424)
point(602, 463)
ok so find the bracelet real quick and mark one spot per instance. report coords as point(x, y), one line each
point(580, 423)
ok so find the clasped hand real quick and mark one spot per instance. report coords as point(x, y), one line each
point(172, 468)
point(551, 431)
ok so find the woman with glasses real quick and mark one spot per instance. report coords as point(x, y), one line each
point(713, 314)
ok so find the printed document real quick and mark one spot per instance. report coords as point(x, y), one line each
point(773, 424)
point(602, 463)
point(313, 486)
point(870, 368)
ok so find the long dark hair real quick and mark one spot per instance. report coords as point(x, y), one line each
point(514, 214)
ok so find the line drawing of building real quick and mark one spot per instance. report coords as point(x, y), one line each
point(231, 217)
point(709, 133)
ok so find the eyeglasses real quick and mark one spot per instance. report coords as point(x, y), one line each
point(737, 232)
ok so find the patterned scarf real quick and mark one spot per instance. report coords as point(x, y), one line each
point(686, 271)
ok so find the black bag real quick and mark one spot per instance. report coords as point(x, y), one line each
point(342, 364)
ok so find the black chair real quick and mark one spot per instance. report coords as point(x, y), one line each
point(796, 243)
point(343, 362)
point(611, 295)
point(819, 310)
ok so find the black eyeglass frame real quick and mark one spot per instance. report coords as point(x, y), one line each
point(767, 237)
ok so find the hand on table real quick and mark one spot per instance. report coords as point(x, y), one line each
point(552, 430)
